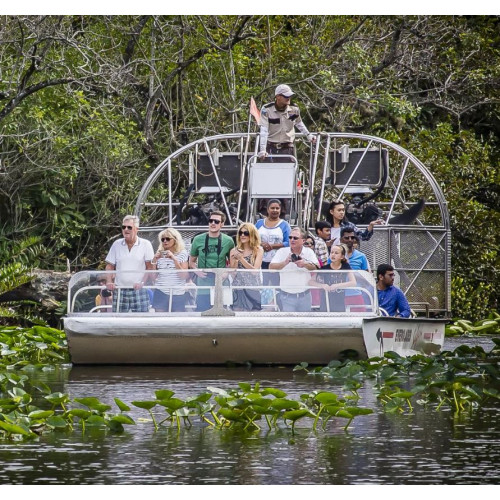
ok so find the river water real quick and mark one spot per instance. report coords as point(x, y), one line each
point(423, 448)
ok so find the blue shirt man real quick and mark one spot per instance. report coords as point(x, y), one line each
point(390, 297)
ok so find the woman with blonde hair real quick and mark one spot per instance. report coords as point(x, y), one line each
point(246, 255)
point(171, 255)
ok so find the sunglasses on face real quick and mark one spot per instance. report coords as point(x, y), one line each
point(167, 239)
point(295, 238)
point(214, 221)
point(244, 233)
point(128, 227)
point(308, 244)
point(349, 237)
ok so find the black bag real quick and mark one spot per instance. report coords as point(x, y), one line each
point(246, 300)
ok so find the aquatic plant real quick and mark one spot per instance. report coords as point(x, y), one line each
point(488, 326)
point(461, 380)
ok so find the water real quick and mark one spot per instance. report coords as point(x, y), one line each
point(426, 447)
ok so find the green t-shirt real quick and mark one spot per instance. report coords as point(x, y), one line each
point(209, 256)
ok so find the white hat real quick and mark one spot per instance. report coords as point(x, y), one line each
point(284, 90)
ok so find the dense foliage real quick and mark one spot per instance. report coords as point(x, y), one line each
point(90, 104)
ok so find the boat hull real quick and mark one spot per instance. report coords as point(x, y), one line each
point(177, 339)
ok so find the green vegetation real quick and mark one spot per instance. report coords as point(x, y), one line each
point(462, 381)
point(17, 260)
point(90, 104)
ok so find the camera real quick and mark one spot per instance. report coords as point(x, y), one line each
point(106, 293)
point(295, 258)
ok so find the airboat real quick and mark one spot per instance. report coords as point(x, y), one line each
point(374, 177)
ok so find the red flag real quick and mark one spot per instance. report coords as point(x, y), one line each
point(254, 111)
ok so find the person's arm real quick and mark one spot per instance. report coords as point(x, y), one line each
point(279, 264)
point(286, 230)
point(316, 283)
point(351, 282)
point(402, 305)
point(264, 133)
point(110, 276)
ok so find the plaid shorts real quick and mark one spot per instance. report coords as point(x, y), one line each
point(131, 300)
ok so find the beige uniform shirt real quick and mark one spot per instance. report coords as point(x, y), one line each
point(279, 126)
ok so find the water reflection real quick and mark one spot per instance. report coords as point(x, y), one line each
point(426, 447)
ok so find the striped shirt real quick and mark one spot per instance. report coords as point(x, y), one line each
point(166, 281)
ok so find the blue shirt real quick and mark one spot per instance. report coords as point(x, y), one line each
point(358, 260)
point(393, 300)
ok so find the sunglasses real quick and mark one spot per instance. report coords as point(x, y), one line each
point(308, 244)
point(244, 233)
point(128, 227)
point(214, 221)
point(295, 238)
point(349, 237)
point(167, 239)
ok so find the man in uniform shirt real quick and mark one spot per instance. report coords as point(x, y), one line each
point(278, 120)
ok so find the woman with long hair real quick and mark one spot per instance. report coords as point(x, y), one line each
point(338, 220)
point(171, 255)
point(247, 255)
point(334, 283)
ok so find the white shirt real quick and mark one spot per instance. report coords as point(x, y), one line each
point(294, 279)
point(130, 260)
point(271, 235)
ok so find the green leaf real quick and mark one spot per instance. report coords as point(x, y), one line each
point(93, 404)
point(14, 429)
point(326, 398)
point(122, 405)
point(57, 422)
point(284, 404)
point(57, 398)
point(95, 421)
point(274, 392)
point(123, 419)
point(145, 405)
point(164, 394)
point(296, 414)
point(40, 414)
point(80, 413)
point(172, 403)
point(228, 414)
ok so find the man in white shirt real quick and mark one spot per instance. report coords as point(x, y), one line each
point(129, 256)
point(295, 263)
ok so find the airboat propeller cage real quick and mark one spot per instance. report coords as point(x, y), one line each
point(222, 172)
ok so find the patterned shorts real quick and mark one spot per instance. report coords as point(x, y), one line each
point(131, 300)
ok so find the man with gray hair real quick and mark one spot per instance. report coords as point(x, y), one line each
point(129, 256)
point(295, 263)
point(278, 120)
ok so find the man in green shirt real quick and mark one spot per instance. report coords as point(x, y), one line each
point(209, 250)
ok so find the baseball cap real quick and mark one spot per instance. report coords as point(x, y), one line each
point(283, 90)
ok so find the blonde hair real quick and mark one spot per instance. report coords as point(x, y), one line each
point(254, 238)
point(170, 232)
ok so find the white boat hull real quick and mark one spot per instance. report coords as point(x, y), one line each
point(240, 339)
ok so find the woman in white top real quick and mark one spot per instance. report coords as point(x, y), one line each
point(274, 234)
point(171, 254)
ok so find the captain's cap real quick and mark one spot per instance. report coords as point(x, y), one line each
point(284, 90)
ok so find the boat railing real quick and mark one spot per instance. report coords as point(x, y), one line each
point(223, 291)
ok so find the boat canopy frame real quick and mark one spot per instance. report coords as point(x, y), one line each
point(370, 174)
